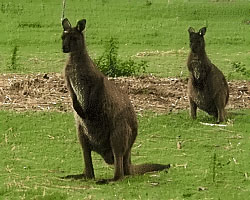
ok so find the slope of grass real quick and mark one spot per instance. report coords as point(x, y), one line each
point(212, 163)
point(140, 26)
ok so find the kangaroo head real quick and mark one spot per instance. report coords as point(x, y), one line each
point(72, 37)
point(197, 42)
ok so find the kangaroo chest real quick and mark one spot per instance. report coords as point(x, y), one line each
point(78, 89)
point(203, 98)
point(75, 81)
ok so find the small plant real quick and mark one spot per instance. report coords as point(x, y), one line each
point(108, 62)
point(104, 2)
point(214, 167)
point(13, 59)
point(239, 68)
point(148, 3)
point(11, 8)
point(29, 25)
point(111, 65)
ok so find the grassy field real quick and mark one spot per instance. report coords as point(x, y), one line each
point(155, 31)
point(37, 148)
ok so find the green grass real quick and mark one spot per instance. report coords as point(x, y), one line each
point(34, 27)
point(37, 148)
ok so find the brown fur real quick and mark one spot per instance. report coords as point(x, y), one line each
point(105, 118)
point(207, 86)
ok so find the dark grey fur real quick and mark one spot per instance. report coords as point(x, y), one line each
point(207, 86)
point(105, 118)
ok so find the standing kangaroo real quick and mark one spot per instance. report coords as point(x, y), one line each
point(105, 118)
point(207, 86)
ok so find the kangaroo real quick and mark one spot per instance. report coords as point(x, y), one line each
point(207, 86)
point(105, 119)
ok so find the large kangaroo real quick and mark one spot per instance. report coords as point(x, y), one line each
point(207, 86)
point(105, 118)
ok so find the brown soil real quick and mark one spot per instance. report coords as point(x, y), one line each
point(48, 92)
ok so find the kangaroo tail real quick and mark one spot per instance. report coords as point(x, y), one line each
point(144, 168)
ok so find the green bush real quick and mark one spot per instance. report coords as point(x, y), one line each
point(240, 69)
point(111, 65)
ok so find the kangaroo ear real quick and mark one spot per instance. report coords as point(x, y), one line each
point(202, 31)
point(66, 24)
point(81, 25)
point(191, 30)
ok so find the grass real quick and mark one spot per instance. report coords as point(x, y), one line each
point(37, 148)
point(140, 26)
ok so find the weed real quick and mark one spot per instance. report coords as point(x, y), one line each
point(111, 65)
point(11, 8)
point(214, 166)
point(238, 68)
point(13, 59)
point(29, 25)
point(104, 2)
point(148, 3)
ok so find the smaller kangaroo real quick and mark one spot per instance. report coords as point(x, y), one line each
point(207, 86)
point(105, 119)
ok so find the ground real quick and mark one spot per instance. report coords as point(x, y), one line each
point(48, 92)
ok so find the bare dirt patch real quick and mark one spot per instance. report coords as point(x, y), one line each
point(48, 92)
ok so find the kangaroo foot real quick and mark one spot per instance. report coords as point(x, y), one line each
point(74, 176)
point(103, 181)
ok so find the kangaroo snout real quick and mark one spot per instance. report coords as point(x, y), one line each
point(65, 49)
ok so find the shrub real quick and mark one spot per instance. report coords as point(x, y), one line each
point(239, 69)
point(111, 65)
